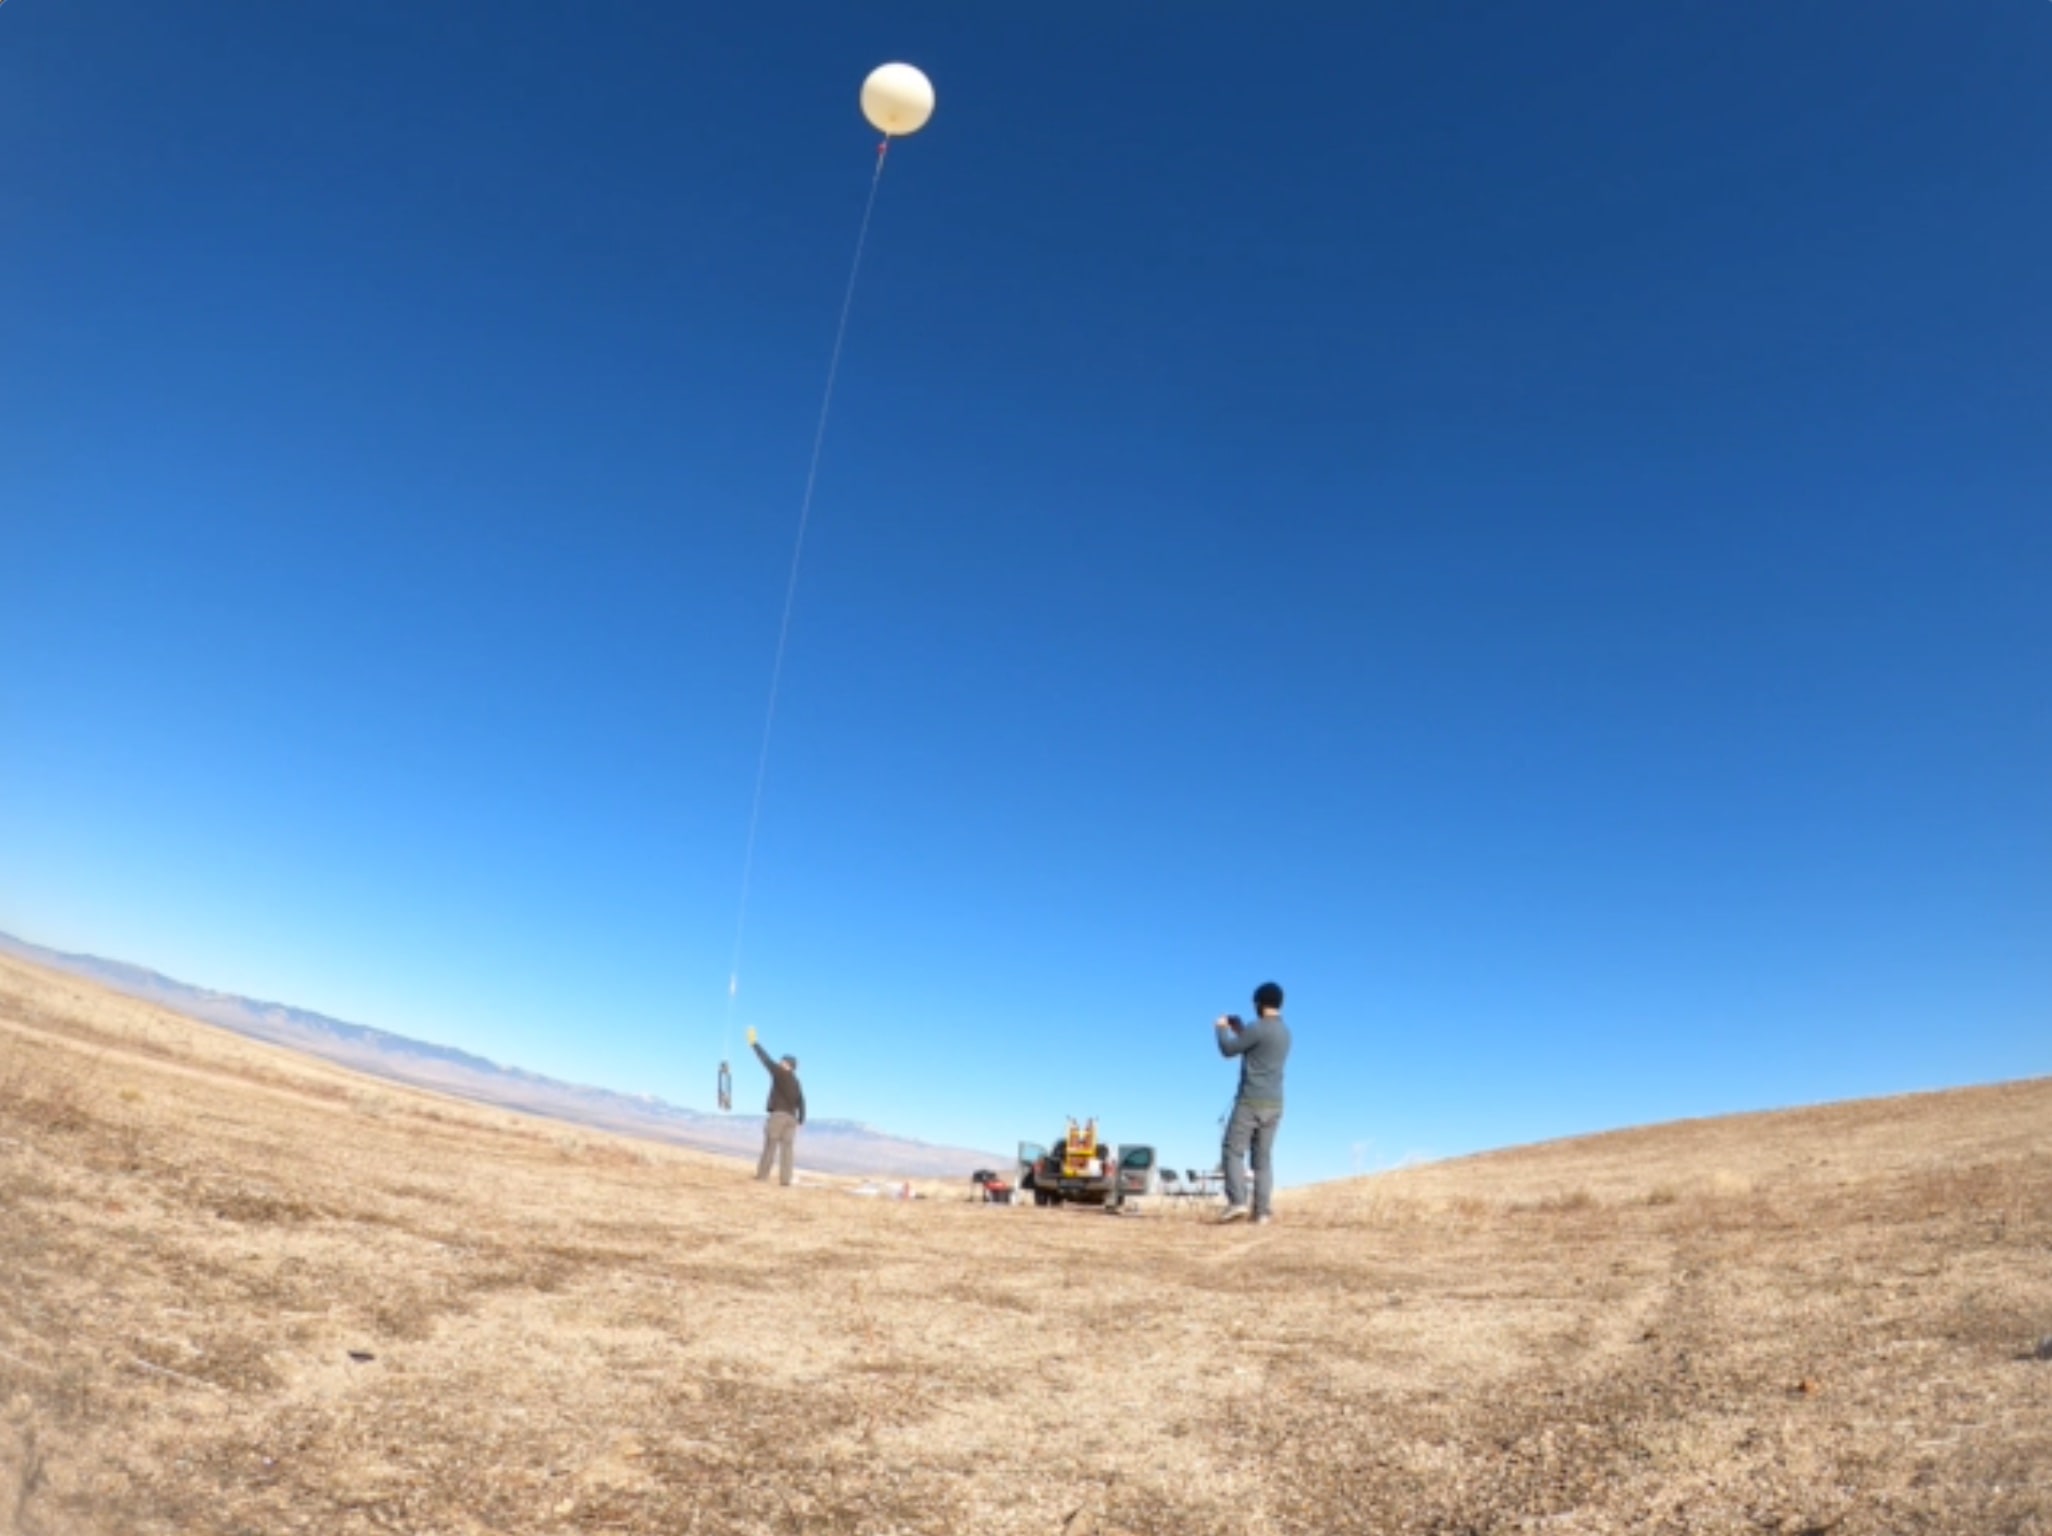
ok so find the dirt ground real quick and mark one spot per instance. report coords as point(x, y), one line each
point(242, 1293)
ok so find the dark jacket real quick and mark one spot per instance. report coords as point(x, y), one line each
point(786, 1097)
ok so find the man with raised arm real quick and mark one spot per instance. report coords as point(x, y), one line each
point(786, 1113)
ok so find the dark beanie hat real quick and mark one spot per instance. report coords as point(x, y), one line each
point(1268, 995)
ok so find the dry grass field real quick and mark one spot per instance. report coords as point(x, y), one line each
point(242, 1293)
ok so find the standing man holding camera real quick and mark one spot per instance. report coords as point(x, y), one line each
point(786, 1114)
point(1262, 1046)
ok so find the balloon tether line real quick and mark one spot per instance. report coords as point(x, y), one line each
point(769, 718)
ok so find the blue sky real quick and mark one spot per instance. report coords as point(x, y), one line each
point(1526, 524)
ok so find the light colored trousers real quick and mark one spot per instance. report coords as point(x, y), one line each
point(1252, 1129)
point(779, 1141)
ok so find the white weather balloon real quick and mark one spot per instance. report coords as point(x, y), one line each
point(897, 99)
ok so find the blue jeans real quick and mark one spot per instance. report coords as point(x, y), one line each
point(1252, 1128)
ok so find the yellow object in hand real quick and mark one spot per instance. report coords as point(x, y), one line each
point(751, 1034)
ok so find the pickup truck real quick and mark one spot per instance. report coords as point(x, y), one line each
point(1082, 1170)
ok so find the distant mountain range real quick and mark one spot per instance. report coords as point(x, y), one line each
point(827, 1146)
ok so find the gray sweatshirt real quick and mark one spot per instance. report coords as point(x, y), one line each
point(1262, 1045)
